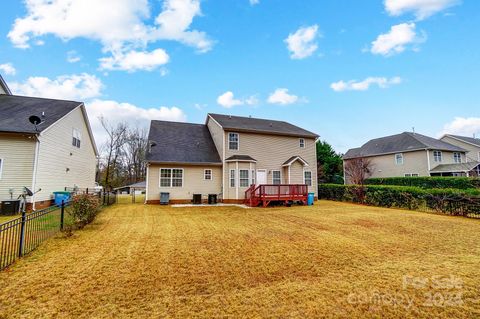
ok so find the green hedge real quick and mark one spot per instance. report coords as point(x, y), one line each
point(428, 182)
point(451, 201)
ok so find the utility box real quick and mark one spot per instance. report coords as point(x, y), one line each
point(164, 198)
point(212, 199)
point(197, 199)
point(10, 207)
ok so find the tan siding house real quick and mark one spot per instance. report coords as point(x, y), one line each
point(43, 157)
point(412, 154)
point(470, 144)
point(237, 152)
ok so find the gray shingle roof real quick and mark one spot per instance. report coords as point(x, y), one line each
point(181, 143)
point(452, 168)
point(15, 111)
point(240, 158)
point(249, 124)
point(471, 140)
point(398, 143)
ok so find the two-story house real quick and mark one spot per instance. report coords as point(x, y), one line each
point(225, 156)
point(470, 144)
point(411, 154)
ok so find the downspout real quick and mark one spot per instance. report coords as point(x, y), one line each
point(289, 174)
point(146, 184)
point(35, 165)
point(237, 180)
point(223, 165)
point(428, 162)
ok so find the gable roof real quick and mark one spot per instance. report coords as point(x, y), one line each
point(15, 111)
point(452, 168)
point(292, 159)
point(4, 86)
point(469, 140)
point(255, 125)
point(177, 142)
point(404, 142)
point(240, 158)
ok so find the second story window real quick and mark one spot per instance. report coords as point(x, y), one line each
point(437, 156)
point(76, 137)
point(302, 142)
point(233, 141)
point(399, 159)
point(457, 157)
point(207, 175)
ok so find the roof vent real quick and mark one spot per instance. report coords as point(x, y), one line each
point(271, 124)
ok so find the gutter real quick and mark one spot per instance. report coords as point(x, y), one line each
point(35, 165)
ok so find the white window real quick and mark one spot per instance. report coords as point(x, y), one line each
point(76, 138)
point(414, 175)
point(207, 175)
point(302, 142)
point(276, 177)
point(232, 178)
point(233, 141)
point(411, 175)
point(171, 177)
point(1, 167)
point(307, 178)
point(457, 157)
point(437, 156)
point(244, 178)
point(253, 177)
point(399, 159)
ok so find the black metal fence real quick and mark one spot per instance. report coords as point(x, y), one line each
point(106, 198)
point(23, 234)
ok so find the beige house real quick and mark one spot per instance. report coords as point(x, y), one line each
point(226, 156)
point(411, 155)
point(59, 152)
point(470, 144)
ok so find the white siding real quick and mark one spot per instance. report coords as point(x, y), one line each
point(17, 153)
point(56, 154)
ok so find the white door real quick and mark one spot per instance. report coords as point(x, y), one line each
point(261, 176)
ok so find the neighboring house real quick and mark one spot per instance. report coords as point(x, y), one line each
point(137, 188)
point(471, 144)
point(412, 154)
point(58, 153)
point(225, 156)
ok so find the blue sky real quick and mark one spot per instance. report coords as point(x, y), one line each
point(347, 70)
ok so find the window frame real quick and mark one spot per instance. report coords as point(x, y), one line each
point(397, 158)
point(205, 174)
point(253, 176)
point(455, 157)
point(171, 178)
point(232, 178)
point(435, 156)
point(76, 138)
point(305, 179)
point(301, 142)
point(273, 177)
point(240, 179)
point(238, 141)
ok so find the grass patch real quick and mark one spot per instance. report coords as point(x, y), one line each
point(128, 199)
point(156, 261)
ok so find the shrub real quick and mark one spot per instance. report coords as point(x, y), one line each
point(428, 182)
point(452, 201)
point(84, 209)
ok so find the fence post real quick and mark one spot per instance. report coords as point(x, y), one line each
point(22, 234)
point(62, 215)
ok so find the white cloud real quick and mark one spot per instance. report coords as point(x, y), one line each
point(8, 69)
point(68, 87)
point(396, 40)
point(120, 25)
point(364, 85)
point(282, 97)
point(228, 100)
point(466, 126)
point(135, 60)
point(301, 43)
point(133, 115)
point(73, 57)
point(421, 8)
point(254, 2)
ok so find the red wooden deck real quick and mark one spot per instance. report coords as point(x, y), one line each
point(263, 195)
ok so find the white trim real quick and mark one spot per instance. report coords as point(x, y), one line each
point(237, 182)
point(238, 141)
point(428, 161)
point(289, 173)
point(300, 143)
point(146, 183)
point(211, 174)
point(171, 177)
point(209, 116)
point(280, 171)
point(266, 175)
point(35, 165)
point(293, 160)
point(1, 167)
point(224, 166)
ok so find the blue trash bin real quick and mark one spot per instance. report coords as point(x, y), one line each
point(311, 198)
point(61, 196)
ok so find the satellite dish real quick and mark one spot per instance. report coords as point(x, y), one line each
point(35, 120)
point(28, 191)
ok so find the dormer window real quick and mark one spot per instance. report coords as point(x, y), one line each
point(233, 141)
point(301, 142)
point(76, 138)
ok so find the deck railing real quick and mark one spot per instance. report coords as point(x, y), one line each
point(267, 193)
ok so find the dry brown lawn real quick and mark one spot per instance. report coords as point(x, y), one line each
point(4, 219)
point(330, 260)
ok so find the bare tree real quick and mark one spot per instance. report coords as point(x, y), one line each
point(357, 170)
point(113, 148)
point(135, 149)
